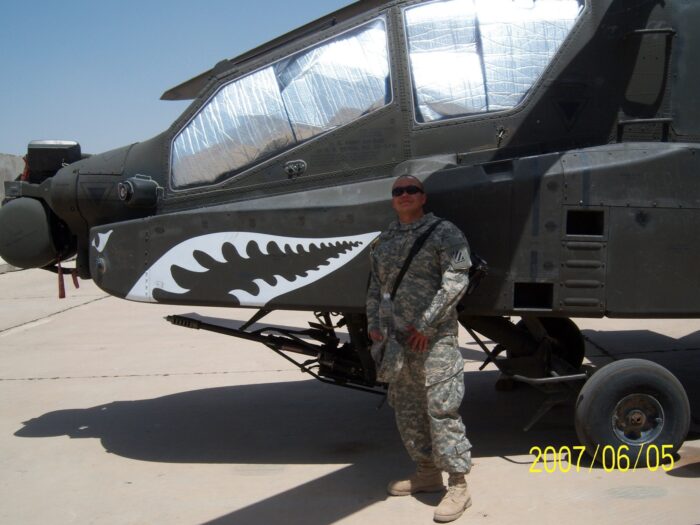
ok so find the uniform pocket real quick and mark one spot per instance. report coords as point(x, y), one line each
point(463, 448)
point(445, 397)
point(444, 361)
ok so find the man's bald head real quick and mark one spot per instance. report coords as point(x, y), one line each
point(408, 198)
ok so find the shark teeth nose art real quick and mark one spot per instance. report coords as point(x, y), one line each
point(249, 268)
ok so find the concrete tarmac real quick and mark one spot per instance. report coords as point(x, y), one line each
point(110, 415)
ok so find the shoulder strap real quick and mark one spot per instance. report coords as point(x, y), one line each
point(417, 245)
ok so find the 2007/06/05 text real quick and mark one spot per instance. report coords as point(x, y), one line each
point(566, 459)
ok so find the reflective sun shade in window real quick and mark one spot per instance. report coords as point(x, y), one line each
point(474, 56)
point(275, 108)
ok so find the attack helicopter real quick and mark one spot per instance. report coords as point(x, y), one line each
point(562, 137)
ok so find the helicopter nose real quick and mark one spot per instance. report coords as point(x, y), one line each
point(26, 239)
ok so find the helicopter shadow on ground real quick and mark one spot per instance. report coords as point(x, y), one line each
point(316, 423)
point(305, 422)
point(302, 422)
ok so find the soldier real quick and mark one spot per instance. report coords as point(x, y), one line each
point(428, 391)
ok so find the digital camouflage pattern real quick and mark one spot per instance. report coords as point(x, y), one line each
point(428, 416)
point(428, 392)
point(429, 292)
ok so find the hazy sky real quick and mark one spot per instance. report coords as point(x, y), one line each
point(94, 71)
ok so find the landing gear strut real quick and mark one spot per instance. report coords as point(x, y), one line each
point(633, 407)
point(545, 353)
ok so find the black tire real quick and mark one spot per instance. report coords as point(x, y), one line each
point(635, 408)
point(568, 342)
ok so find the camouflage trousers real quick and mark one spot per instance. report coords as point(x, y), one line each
point(428, 418)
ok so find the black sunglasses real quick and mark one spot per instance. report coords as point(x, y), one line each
point(411, 190)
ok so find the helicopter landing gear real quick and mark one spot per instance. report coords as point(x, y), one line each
point(632, 412)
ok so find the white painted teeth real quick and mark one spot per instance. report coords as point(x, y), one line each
point(159, 275)
point(299, 246)
point(349, 248)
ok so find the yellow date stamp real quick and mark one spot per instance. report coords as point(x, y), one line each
point(565, 459)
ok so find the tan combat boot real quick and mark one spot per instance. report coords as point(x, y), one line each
point(455, 502)
point(427, 478)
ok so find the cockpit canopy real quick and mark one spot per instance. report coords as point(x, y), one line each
point(465, 58)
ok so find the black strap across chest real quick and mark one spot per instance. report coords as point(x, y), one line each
point(417, 245)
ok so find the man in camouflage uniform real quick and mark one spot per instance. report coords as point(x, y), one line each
point(428, 392)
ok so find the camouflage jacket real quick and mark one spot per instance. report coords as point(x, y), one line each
point(431, 288)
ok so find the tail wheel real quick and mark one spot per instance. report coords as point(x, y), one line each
point(635, 406)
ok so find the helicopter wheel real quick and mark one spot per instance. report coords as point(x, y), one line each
point(632, 412)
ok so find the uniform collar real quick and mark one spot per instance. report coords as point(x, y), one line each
point(426, 219)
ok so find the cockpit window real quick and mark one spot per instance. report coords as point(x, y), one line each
point(291, 101)
point(475, 56)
